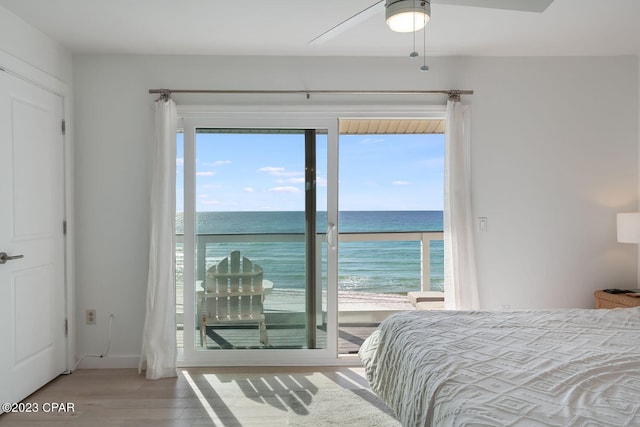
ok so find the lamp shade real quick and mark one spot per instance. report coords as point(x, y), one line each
point(405, 16)
point(628, 227)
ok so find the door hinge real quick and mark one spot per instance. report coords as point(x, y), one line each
point(66, 327)
point(64, 127)
point(64, 228)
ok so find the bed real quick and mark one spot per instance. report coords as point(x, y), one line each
point(573, 367)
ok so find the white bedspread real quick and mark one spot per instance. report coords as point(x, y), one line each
point(521, 368)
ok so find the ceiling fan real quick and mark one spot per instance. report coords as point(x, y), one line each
point(395, 9)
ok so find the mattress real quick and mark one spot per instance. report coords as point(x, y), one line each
point(573, 367)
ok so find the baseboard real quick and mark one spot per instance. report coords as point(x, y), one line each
point(109, 362)
point(131, 362)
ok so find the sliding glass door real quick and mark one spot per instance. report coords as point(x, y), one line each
point(260, 230)
point(256, 215)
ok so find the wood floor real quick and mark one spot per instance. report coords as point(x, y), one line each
point(198, 397)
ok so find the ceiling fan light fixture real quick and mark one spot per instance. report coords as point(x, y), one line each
point(405, 16)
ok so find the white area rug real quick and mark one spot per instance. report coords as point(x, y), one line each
point(339, 407)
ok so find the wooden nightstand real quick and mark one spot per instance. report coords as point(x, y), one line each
point(605, 300)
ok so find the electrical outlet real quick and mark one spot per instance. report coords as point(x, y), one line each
point(91, 316)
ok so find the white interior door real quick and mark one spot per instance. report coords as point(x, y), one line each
point(32, 286)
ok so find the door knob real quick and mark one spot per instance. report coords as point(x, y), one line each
point(4, 257)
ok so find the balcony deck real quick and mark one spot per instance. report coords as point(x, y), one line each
point(359, 314)
point(350, 337)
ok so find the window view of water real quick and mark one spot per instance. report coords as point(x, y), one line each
point(379, 267)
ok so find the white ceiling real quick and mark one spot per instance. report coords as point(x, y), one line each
point(284, 27)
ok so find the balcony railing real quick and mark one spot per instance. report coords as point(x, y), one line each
point(423, 237)
point(367, 312)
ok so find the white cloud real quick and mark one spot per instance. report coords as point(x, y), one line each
point(401, 183)
point(271, 170)
point(205, 173)
point(320, 181)
point(218, 163)
point(180, 161)
point(291, 180)
point(210, 186)
point(248, 190)
point(278, 171)
point(285, 190)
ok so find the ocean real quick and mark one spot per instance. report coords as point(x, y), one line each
point(380, 267)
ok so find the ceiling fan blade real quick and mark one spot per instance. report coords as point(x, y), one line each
point(363, 15)
point(378, 7)
point(522, 5)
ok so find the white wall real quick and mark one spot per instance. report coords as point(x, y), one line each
point(555, 156)
point(29, 45)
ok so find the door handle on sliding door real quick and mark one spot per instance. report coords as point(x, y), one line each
point(331, 236)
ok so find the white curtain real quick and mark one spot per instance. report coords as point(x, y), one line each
point(159, 338)
point(460, 282)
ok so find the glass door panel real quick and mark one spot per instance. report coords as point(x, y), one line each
point(391, 201)
point(258, 252)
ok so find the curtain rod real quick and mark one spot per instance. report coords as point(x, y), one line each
point(308, 93)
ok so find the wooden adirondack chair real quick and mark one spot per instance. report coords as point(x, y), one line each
point(234, 293)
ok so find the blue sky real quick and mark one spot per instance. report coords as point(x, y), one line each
point(256, 172)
